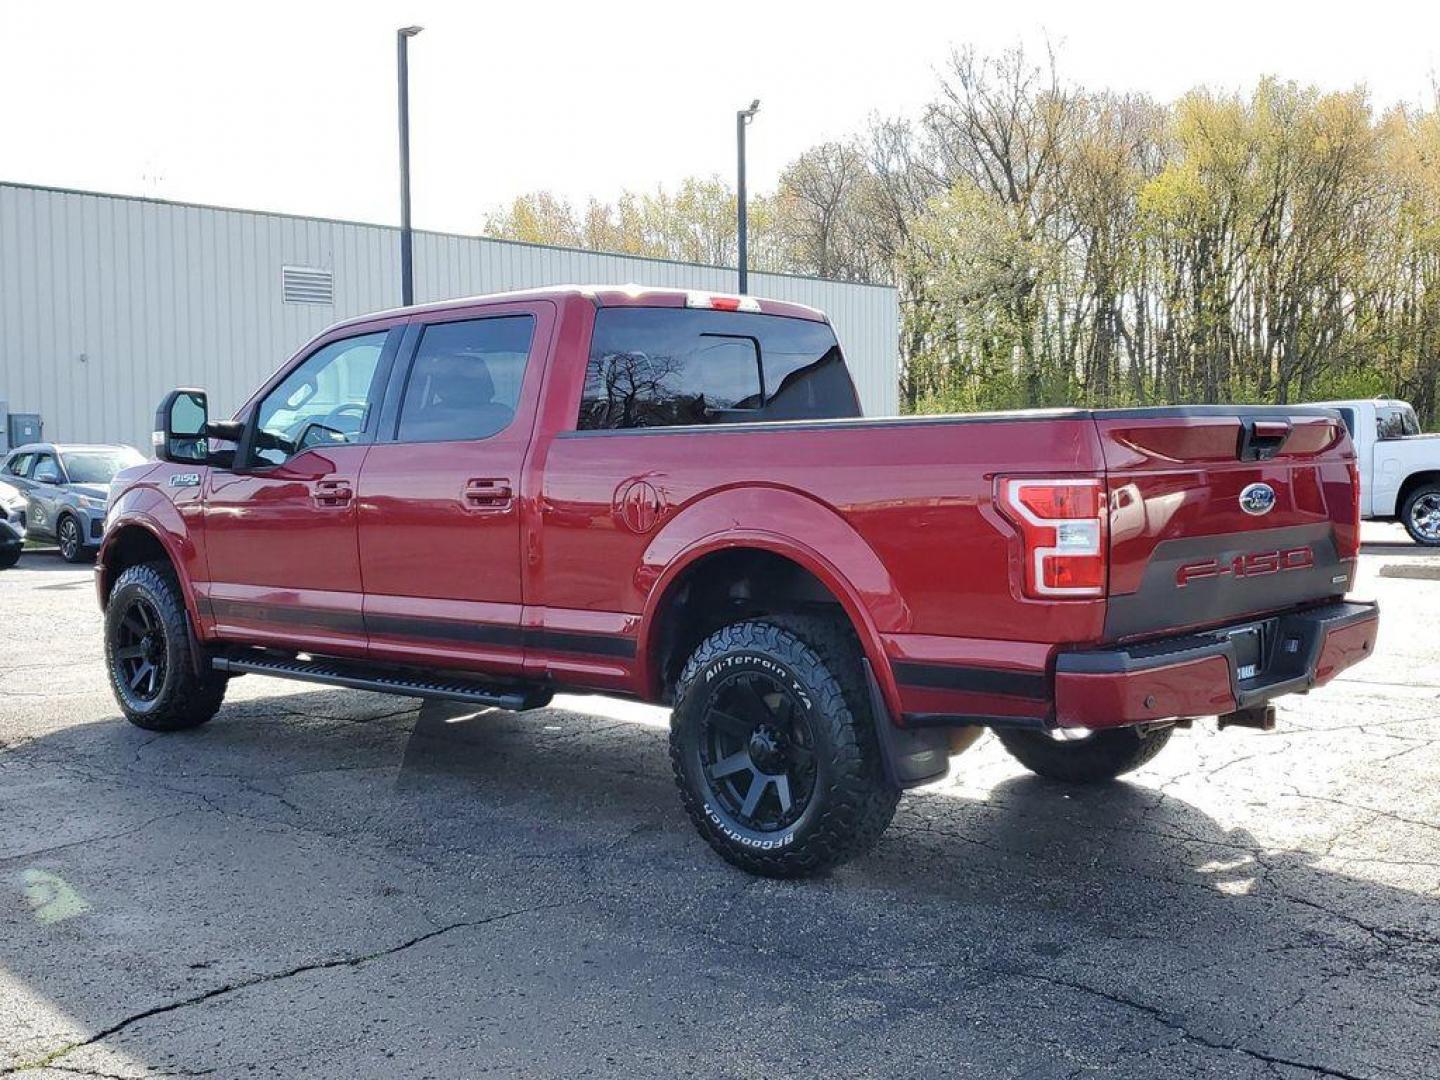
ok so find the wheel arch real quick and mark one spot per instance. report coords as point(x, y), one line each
point(1410, 483)
point(715, 542)
point(130, 542)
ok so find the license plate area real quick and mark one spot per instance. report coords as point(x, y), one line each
point(1248, 643)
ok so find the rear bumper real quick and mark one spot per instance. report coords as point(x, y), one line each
point(1198, 675)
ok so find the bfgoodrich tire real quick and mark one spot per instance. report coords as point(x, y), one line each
point(1090, 759)
point(774, 747)
point(148, 654)
point(1421, 515)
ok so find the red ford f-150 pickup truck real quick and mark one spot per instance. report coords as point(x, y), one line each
point(673, 497)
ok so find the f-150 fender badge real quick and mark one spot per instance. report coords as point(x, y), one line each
point(185, 479)
point(638, 505)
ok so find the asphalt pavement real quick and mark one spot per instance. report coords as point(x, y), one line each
point(329, 883)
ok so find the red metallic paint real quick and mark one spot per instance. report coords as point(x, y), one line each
point(1178, 477)
point(1194, 688)
point(1345, 647)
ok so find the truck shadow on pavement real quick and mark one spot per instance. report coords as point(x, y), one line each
point(533, 886)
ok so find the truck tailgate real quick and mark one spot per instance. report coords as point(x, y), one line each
point(1219, 513)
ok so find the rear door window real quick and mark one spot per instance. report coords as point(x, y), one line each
point(465, 381)
point(664, 367)
point(19, 465)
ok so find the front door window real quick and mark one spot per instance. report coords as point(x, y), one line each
point(323, 402)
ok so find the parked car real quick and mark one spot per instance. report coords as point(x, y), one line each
point(12, 525)
point(1399, 465)
point(673, 497)
point(66, 489)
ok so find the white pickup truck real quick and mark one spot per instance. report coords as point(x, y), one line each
point(1399, 467)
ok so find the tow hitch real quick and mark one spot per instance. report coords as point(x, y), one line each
point(1260, 717)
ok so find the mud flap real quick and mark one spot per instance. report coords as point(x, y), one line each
point(912, 756)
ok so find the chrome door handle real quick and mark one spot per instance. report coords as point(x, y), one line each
point(333, 493)
point(488, 493)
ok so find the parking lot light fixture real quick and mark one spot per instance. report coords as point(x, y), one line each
point(742, 120)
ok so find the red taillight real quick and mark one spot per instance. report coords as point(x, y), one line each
point(1353, 549)
point(1062, 526)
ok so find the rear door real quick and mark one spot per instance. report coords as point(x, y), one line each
point(440, 496)
point(1218, 513)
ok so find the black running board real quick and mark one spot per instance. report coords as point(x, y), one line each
point(404, 683)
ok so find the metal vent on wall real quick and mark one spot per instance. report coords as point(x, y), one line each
point(307, 285)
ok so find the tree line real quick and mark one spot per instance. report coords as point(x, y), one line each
point(1055, 245)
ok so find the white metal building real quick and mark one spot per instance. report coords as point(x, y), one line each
point(107, 302)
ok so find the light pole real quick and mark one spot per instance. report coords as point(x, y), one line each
point(742, 120)
point(407, 279)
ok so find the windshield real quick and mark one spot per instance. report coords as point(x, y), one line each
point(98, 466)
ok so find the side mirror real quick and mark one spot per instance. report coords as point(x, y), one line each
point(181, 425)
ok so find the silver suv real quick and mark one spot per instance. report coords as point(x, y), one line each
point(67, 487)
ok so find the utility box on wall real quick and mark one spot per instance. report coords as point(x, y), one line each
point(22, 428)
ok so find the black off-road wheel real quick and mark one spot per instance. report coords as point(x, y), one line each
point(1084, 757)
point(148, 654)
point(1421, 515)
point(70, 539)
point(774, 747)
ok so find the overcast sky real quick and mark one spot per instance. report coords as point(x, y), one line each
point(291, 106)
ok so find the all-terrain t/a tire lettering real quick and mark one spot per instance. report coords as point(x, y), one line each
point(774, 748)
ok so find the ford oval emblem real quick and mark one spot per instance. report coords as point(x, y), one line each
point(1257, 499)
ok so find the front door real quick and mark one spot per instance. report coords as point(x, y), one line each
point(440, 505)
point(280, 526)
point(44, 491)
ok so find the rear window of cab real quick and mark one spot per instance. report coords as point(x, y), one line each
point(669, 367)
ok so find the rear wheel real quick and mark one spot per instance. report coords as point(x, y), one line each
point(72, 544)
point(9, 557)
point(148, 654)
point(1421, 515)
point(1084, 757)
point(774, 748)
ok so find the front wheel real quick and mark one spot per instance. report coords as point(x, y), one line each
point(1088, 758)
point(1421, 515)
point(774, 747)
point(72, 545)
point(148, 654)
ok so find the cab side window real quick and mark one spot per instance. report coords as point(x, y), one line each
point(325, 401)
point(465, 381)
point(19, 465)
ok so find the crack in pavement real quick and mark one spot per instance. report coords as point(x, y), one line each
point(47, 1060)
point(37, 852)
point(1186, 1035)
